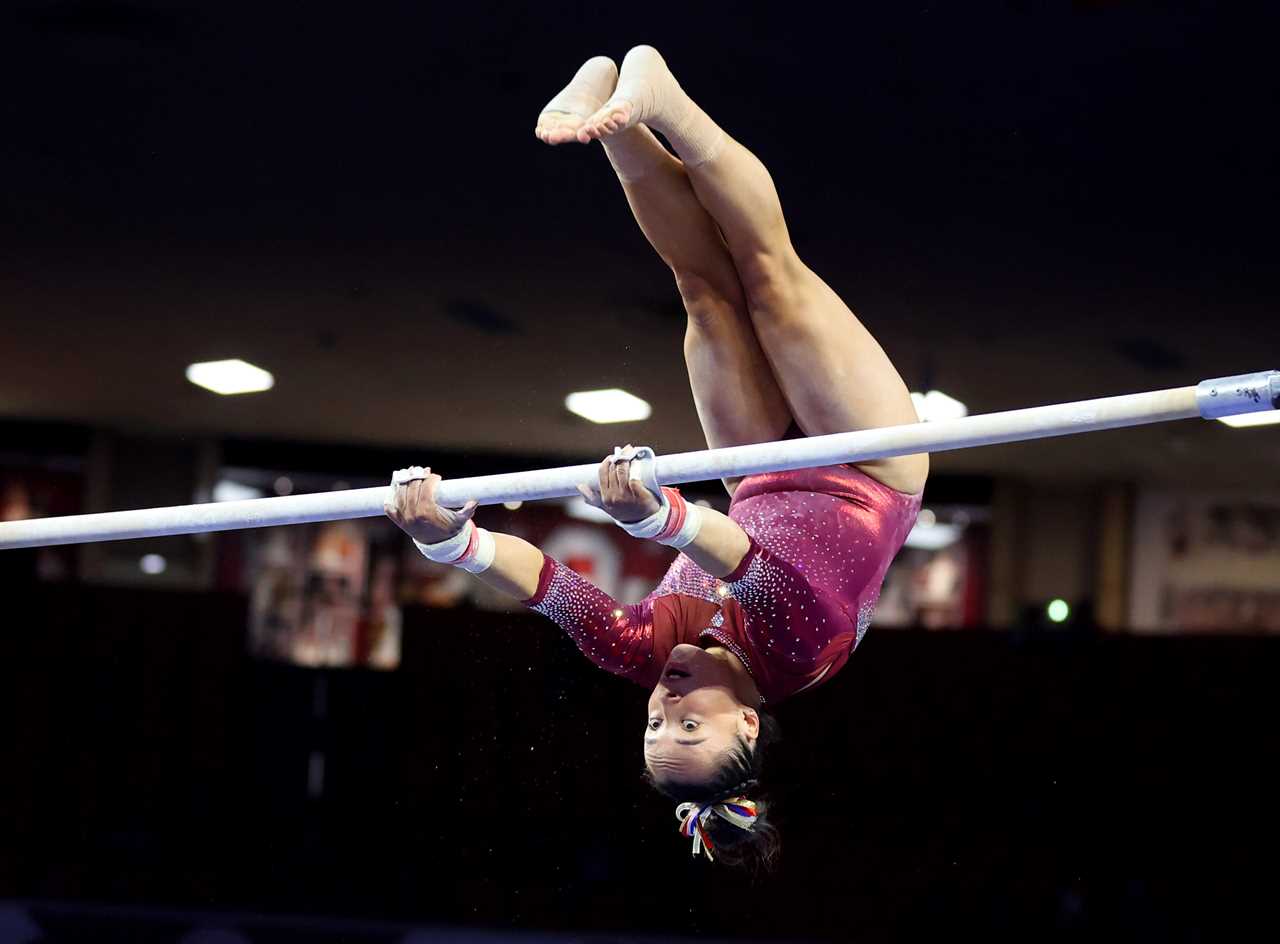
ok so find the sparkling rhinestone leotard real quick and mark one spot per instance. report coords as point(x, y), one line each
point(793, 610)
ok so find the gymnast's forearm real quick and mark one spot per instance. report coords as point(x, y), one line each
point(516, 567)
point(713, 541)
point(720, 545)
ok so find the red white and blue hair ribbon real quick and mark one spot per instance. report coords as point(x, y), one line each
point(693, 817)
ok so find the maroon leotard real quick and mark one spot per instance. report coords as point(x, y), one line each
point(793, 610)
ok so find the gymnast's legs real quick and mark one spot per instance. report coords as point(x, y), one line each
point(833, 374)
point(734, 390)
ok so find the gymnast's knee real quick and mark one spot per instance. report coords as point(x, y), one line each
point(775, 280)
point(707, 300)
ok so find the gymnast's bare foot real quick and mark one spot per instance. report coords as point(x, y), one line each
point(563, 117)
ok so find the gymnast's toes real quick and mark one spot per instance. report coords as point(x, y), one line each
point(615, 116)
point(558, 127)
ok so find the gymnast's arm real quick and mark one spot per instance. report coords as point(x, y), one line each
point(616, 637)
point(719, 547)
point(517, 564)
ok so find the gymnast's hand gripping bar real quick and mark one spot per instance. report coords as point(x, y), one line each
point(1226, 396)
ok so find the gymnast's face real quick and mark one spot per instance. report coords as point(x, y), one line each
point(695, 717)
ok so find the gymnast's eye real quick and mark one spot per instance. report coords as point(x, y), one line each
point(689, 724)
point(655, 723)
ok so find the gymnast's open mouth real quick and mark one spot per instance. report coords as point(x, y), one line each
point(676, 673)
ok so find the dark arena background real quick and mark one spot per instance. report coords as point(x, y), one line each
point(1062, 724)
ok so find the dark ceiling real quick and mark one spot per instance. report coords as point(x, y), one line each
point(1027, 203)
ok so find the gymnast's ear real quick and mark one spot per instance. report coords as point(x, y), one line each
point(749, 724)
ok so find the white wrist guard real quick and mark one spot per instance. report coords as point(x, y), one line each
point(472, 549)
point(675, 524)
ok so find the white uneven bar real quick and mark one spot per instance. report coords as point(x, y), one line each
point(1227, 396)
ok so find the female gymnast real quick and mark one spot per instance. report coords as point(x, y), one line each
point(771, 599)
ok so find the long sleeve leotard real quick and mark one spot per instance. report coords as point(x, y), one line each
point(794, 609)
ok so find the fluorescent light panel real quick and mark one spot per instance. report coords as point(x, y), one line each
point(936, 405)
point(607, 406)
point(230, 377)
point(933, 537)
point(1251, 419)
point(228, 490)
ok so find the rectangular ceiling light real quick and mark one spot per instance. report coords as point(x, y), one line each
point(933, 537)
point(936, 405)
point(1251, 419)
point(607, 406)
point(228, 377)
point(230, 490)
